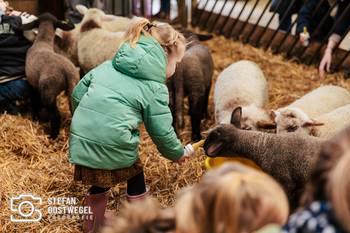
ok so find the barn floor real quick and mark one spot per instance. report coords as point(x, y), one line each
point(32, 163)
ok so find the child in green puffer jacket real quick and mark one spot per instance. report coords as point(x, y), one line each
point(111, 102)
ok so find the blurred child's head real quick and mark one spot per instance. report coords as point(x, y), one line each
point(142, 217)
point(231, 199)
point(173, 42)
point(330, 180)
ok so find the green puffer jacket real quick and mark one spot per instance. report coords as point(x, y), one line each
point(111, 102)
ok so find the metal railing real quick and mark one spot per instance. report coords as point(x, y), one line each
point(260, 32)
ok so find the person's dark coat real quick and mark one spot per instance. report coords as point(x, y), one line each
point(305, 19)
point(13, 46)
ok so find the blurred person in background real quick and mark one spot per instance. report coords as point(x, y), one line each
point(309, 23)
point(281, 7)
point(326, 202)
point(13, 50)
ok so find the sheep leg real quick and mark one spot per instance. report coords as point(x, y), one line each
point(179, 100)
point(196, 113)
point(35, 103)
point(55, 121)
point(50, 88)
point(206, 99)
point(170, 86)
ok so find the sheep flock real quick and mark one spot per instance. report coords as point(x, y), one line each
point(31, 162)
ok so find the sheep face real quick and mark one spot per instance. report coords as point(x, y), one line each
point(294, 120)
point(220, 139)
point(254, 118)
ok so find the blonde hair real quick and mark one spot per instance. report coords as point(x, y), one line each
point(171, 40)
point(242, 200)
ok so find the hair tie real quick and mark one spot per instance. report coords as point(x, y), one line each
point(148, 26)
point(172, 42)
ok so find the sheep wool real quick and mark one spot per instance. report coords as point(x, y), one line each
point(241, 84)
point(301, 112)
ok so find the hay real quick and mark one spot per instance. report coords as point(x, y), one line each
point(30, 162)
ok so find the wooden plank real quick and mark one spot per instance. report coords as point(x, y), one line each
point(30, 6)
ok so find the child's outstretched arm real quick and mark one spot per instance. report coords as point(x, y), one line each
point(158, 121)
point(80, 90)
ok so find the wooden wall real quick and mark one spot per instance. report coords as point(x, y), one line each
point(36, 7)
point(30, 6)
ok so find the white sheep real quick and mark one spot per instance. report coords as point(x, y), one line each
point(327, 125)
point(241, 84)
point(312, 105)
point(67, 42)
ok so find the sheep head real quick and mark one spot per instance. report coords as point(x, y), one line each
point(47, 17)
point(255, 118)
point(292, 119)
point(221, 138)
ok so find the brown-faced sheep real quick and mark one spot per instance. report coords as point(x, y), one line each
point(48, 72)
point(193, 79)
point(289, 158)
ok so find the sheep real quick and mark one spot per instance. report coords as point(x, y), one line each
point(48, 72)
point(67, 42)
point(242, 84)
point(289, 158)
point(327, 125)
point(193, 79)
point(97, 45)
point(317, 102)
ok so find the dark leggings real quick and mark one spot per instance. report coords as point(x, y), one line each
point(135, 186)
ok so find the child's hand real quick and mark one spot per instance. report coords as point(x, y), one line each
point(188, 152)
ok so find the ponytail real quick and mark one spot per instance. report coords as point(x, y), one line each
point(171, 40)
point(138, 26)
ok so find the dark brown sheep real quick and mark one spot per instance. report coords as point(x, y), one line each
point(193, 79)
point(48, 72)
point(289, 158)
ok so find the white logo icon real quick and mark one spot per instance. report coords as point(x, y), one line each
point(19, 204)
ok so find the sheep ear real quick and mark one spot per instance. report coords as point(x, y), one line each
point(273, 114)
point(312, 123)
point(266, 125)
point(81, 9)
point(65, 25)
point(31, 25)
point(236, 117)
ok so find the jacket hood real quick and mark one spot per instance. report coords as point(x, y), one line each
point(146, 60)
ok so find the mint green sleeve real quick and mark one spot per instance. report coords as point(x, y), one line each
point(158, 122)
point(80, 90)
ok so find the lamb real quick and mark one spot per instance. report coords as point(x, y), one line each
point(48, 72)
point(242, 84)
point(289, 158)
point(312, 105)
point(67, 42)
point(193, 79)
point(327, 125)
point(96, 45)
